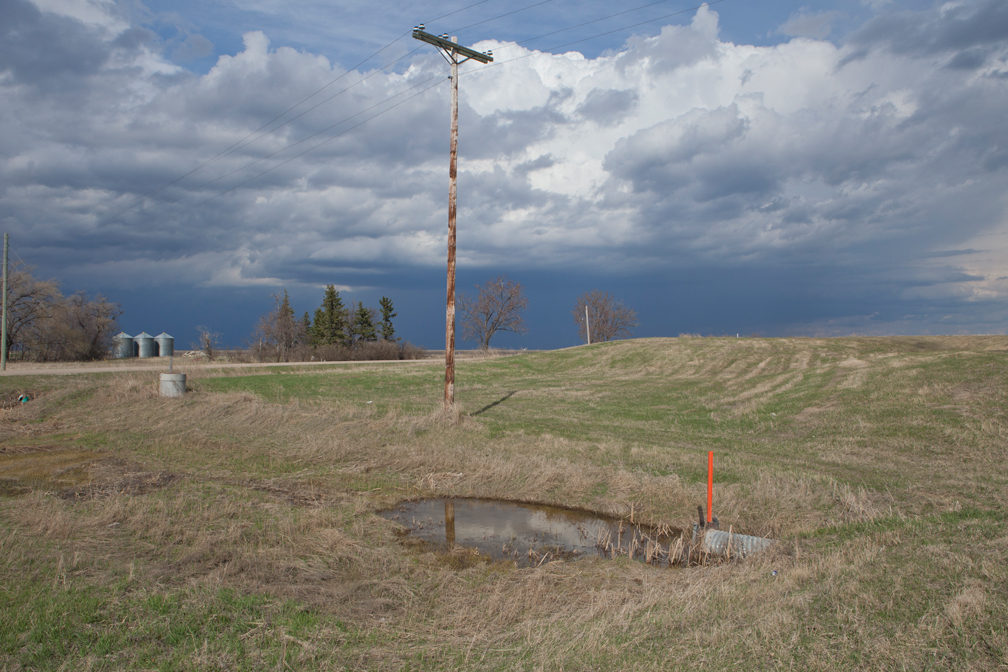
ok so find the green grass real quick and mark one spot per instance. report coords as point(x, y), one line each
point(183, 629)
point(606, 393)
point(877, 464)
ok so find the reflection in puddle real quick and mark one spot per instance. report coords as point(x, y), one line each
point(530, 534)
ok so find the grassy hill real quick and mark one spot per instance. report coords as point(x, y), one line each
point(236, 527)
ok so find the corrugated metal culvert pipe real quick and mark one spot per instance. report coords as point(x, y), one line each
point(728, 544)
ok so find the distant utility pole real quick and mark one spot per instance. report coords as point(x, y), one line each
point(451, 52)
point(3, 329)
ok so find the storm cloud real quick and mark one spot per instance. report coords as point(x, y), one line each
point(869, 170)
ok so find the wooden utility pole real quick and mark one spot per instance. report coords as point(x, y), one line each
point(451, 51)
point(3, 329)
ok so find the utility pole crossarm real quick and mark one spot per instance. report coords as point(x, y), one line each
point(448, 45)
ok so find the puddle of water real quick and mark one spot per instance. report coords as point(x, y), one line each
point(530, 534)
point(45, 470)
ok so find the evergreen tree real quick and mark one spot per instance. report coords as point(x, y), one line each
point(286, 326)
point(304, 333)
point(315, 335)
point(363, 328)
point(334, 319)
point(387, 313)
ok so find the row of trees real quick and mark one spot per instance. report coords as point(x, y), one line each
point(499, 303)
point(335, 326)
point(43, 325)
point(496, 306)
point(46, 326)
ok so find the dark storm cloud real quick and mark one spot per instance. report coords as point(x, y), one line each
point(39, 47)
point(972, 32)
point(669, 156)
point(509, 132)
point(791, 185)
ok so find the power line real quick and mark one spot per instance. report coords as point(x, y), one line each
point(586, 39)
point(238, 145)
point(512, 60)
point(420, 84)
point(457, 11)
point(604, 18)
point(245, 142)
point(314, 135)
point(297, 156)
point(480, 23)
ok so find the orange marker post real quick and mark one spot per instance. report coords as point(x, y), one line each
point(710, 483)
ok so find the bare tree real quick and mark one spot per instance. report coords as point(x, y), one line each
point(607, 316)
point(279, 328)
point(208, 342)
point(29, 302)
point(45, 326)
point(74, 329)
point(497, 306)
point(90, 326)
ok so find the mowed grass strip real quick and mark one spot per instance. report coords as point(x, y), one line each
point(235, 527)
point(787, 404)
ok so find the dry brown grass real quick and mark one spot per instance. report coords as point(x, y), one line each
point(232, 489)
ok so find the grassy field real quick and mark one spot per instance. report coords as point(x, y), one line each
point(235, 528)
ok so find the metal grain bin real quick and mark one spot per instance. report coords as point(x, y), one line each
point(165, 345)
point(122, 345)
point(145, 344)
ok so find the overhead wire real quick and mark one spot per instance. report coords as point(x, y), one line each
point(239, 145)
point(310, 149)
point(457, 11)
point(604, 18)
point(522, 9)
point(509, 61)
point(310, 137)
point(592, 37)
point(23, 262)
point(236, 146)
point(245, 141)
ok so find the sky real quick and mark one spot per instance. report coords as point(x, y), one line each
point(740, 167)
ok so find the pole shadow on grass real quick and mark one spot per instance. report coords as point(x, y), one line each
point(499, 401)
